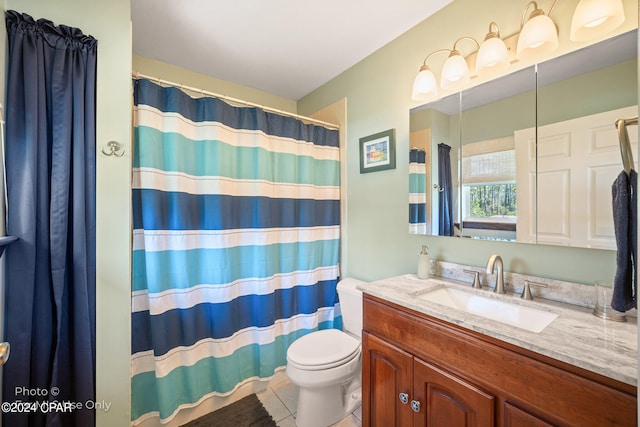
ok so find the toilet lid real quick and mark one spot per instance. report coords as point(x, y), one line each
point(323, 349)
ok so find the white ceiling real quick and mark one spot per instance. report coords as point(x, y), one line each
point(283, 47)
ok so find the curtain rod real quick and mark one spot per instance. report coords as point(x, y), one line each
point(138, 75)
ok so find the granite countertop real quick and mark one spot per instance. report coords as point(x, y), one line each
point(576, 336)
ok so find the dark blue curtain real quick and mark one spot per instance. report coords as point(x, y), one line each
point(50, 274)
point(445, 220)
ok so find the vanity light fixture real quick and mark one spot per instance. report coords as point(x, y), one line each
point(455, 71)
point(593, 18)
point(538, 37)
point(493, 55)
point(425, 85)
point(538, 33)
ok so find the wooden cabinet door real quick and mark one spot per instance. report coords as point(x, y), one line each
point(516, 417)
point(448, 401)
point(387, 371)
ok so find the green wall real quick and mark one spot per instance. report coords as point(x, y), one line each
point(378, 92)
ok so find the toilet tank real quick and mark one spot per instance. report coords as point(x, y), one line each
point(351, 305)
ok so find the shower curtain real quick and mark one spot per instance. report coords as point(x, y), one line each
point(417, 192)
point(235, 245)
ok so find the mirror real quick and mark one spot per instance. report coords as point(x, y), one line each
point(577, 144)
point(433, 126)
point(492, 115)
point(497, 161)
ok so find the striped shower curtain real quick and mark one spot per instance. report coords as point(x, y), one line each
point(417, 192)
point(235, 245)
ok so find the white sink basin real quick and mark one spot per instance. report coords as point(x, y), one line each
point(528, 318)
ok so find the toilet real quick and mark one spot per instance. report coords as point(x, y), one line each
point(326, 365)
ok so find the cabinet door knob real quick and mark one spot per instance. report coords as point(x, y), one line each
point(404, 398)
point(415, 405)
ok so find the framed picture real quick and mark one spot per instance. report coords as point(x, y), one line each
point(378, 151)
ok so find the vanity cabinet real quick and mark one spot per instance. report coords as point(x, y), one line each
point(462, 378)
point(404, 384)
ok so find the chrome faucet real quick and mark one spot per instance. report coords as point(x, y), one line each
point(497, 261)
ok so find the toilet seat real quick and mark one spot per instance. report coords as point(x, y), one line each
point(323, 350)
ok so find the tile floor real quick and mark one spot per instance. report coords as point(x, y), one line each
point(281, 400)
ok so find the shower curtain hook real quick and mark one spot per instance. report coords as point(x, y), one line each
point(114, 149)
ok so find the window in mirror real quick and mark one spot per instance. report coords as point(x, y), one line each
point(489, 205)
point(492, 202)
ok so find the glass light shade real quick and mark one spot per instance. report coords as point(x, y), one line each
point(455, 73)
point(425, 86)
point(593, 18)
point(493, 57)
point(538, 37)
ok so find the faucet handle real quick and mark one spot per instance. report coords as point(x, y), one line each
point(476, 278)
point(526, 291)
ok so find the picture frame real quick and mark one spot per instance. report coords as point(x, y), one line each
point(378, 151)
